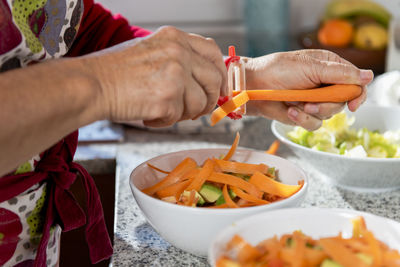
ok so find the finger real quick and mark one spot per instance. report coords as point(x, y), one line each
point(354, 104)
point(158, 123)
point(323, 111)
point(269, 109)
point(327, 72)
point(209, 78)
point(171, 115)
point(195, 100)
point(303, 119)
point(207, 47)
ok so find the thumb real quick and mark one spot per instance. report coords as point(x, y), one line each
point(329, 72)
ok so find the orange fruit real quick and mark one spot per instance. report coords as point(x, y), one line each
point(336, 32)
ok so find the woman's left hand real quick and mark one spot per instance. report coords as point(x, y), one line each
point(303, 69)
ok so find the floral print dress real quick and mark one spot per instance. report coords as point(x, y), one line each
point(32, 31)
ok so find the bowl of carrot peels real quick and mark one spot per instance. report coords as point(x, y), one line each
point(188, 196)
point(308, 237)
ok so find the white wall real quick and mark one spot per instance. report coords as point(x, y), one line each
point(219, 19)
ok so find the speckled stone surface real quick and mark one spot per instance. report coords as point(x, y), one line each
point(137, 244)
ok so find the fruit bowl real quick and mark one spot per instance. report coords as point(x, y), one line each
point(192, 229)
point(356, 30)
point(364, 59)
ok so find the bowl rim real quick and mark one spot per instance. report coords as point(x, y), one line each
point(298, 195)
point(233, 228)
point(287, 141)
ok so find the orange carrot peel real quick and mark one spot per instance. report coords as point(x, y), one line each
point(297, 249)
point(228, 107)
point(270, 186)
point(240, 167)
point(228, 199)
point(249, 182)
point(334, 93)
point(273, 148)
point(174, 176)
point(157, 169)
point(233, 147)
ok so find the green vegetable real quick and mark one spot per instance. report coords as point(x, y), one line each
point(365, 258)
point(336, 136)
point(221, 199)
point(210, 192)
point(330, 263)
point(200, 200)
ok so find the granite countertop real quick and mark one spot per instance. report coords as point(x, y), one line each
point(137, 244)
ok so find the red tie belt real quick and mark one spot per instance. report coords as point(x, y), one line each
point(57, 169)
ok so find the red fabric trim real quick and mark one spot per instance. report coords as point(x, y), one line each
point(57, 169)
point(100, 29)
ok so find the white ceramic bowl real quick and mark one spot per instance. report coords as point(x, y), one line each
point(192, 229)
point(363, 174)
point(315, 222)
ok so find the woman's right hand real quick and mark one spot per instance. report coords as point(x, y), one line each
point(161, 79)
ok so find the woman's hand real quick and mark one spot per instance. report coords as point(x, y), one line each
point(303, 69)
point(161, 79)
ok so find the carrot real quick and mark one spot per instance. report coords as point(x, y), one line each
point(374, 248)
point(227, 198)
point(190, 175)
point(314, 257)
point(233, 147)
point(273, 187)
point(299, 247)
point(157, 169)
point(246, 251)
point(174, 176)
point(272, 246)
point(222, 206)
point(229, 106)
point(240, 167)
point(333, 93)
point(357, 244)
point(192, 198)
point(359, 226)
point(234, 181)
point(173, 189)
point(273, 148)
point(299, 250)
point(225, 262)
point(247, 204)
point(340, 253)
point(391, 258)
point(201, 177)
point(248, 197)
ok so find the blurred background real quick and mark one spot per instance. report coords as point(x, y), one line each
point(258, 27)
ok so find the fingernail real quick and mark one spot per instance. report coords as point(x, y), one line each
point(366, 76)
point(311, 108)
point(293, 113)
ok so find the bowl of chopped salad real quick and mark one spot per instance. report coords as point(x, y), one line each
point(308, 237)
point(358, 151)
point(189, 196)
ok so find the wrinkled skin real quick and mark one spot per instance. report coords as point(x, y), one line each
point(302, 69)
